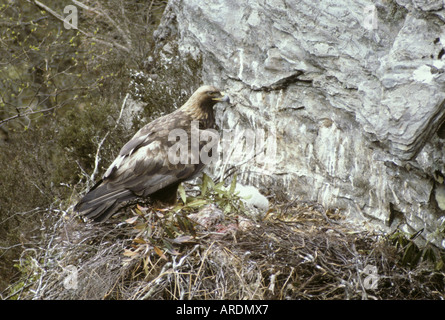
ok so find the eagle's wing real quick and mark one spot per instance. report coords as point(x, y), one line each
point(148, 170)
point(143, 165)
point(141, 169)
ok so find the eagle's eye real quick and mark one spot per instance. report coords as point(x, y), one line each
point(213, 93)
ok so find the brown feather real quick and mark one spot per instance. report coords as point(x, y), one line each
point(142, 168)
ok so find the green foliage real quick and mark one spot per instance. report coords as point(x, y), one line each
point(154, 87)
point(412, 254)
point(226, 198)
point(213, 193)
point(29, 271)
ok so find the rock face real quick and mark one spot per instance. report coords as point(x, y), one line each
point(352, 93)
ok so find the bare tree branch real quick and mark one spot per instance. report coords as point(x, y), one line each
point(104, 13)
point(99, 146)
point(88, 34)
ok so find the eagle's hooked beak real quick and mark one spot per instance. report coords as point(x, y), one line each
point(223, 98)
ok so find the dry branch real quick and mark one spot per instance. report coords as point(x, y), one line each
point(108, 43)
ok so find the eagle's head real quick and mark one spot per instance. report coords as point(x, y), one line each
point(206, 97)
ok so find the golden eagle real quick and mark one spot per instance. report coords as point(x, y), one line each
point(144, 168)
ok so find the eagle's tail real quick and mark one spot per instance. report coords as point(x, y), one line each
point(102, 201)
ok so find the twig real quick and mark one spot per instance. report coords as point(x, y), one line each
point(99, 147)
point(200, 268)
point(102, 13)
point(20, 115)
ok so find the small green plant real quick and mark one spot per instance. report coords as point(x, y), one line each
point(413, 254)
point(225, 198)
point(29, 275)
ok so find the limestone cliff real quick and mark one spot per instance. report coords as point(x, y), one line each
point(352, 92)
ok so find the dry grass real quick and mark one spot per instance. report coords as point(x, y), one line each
point(297, 252)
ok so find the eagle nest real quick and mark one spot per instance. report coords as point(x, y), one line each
point(203, 251)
